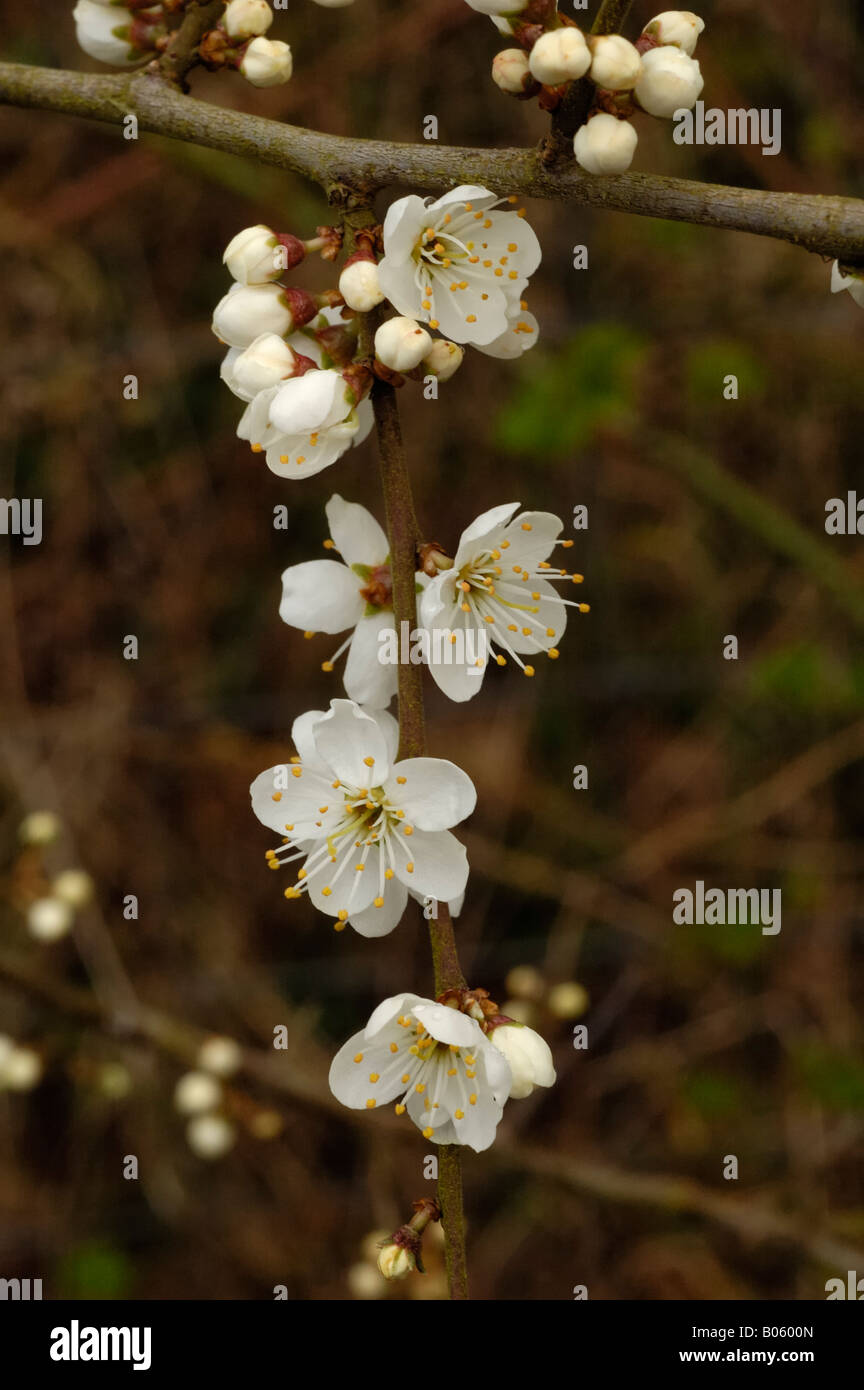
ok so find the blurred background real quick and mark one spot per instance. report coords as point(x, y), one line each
point(706, 518)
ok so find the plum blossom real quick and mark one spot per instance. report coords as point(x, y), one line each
point(104, 31)
point(369, 828)
point(499, 584)
point(458, 264)
point(303, 424)
point(329, 596)
point(447, 1075)
point(528, 1055)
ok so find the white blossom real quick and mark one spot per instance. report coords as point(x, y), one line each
point(250, 256)
point(510, 70)
point(367, 827)
point(267, 361)
point(670, 81)
point(395, 1262)
point(519, 335)
point(528, 1055)
point(329, 596)
point(841, 280)
point(401, 344)
point(560, 55)
point(103, 31)
point(267, 63)
point(245, 19)
point(458, 264)
point(359, 286)
point(436, 1060)
point(499, 585)
point(248, 311)
point(48, 919)
point(615, 63)
point(679, 27)
point(605, 145)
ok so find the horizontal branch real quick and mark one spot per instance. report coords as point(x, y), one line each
point(831, 226)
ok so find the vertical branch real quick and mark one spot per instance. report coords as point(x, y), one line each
point(404, 536)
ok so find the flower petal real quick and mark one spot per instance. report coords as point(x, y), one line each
point(448, 1025)
point(435, 794)
point(486, 527)
point(355, 532)
point(380, 921)
point(345, 738)
point(321, 596)
point(440, 863)
point(369, 680)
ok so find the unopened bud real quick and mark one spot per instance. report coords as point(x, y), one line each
point(48, 919)
point(444, 359)
point(248, 311)
point(221, 1056)
point(401, 344)
point(358, 285)
point(210, 1136)
point(679, 27)
point(74, 887)
point(263, 364)
point(529, 1057)
point(20, 1067)
point(511, 71)
point(39, 828)
point(245, 19)
point(267, 63)
point(395, 1262)
point(560, 56)
point(105, 33)
point(605, 145)
point(670, 81)
point(252, 256)
point(196, 1092)
point(615, 63)
point(567, 1000)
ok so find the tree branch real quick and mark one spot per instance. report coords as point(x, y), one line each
point(831, 226)
point(182, 51)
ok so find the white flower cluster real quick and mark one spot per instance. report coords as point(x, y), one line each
point(124, 32)
point(50, 915)
point(657, 74)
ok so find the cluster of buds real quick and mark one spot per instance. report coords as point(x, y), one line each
point(125, 32)
point(657, 74)
point(401, 1253)
point(49, 902)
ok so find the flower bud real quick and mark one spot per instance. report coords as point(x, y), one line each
point(20, 1067)
point(74, 887)
point(210, 1136)
point(252, 256)
point(511, 71)
point(196, 1092)
point(104, 32)
point(615, 63)
point(244, 19)
point(605, 145)
point(395, 1262)
point(670, 81)
point(221, 1056)
point(559, 56)
point(267, 63)
point(844, 280)
point(248, 311)
point(48, 919)
point(39, 828)
point(679, 27)
point(266, 362)
point(526, 982)
point(401, 344)
point(444, 359)
point(567, 1000)
point(358, 285)
point(529, 1057)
